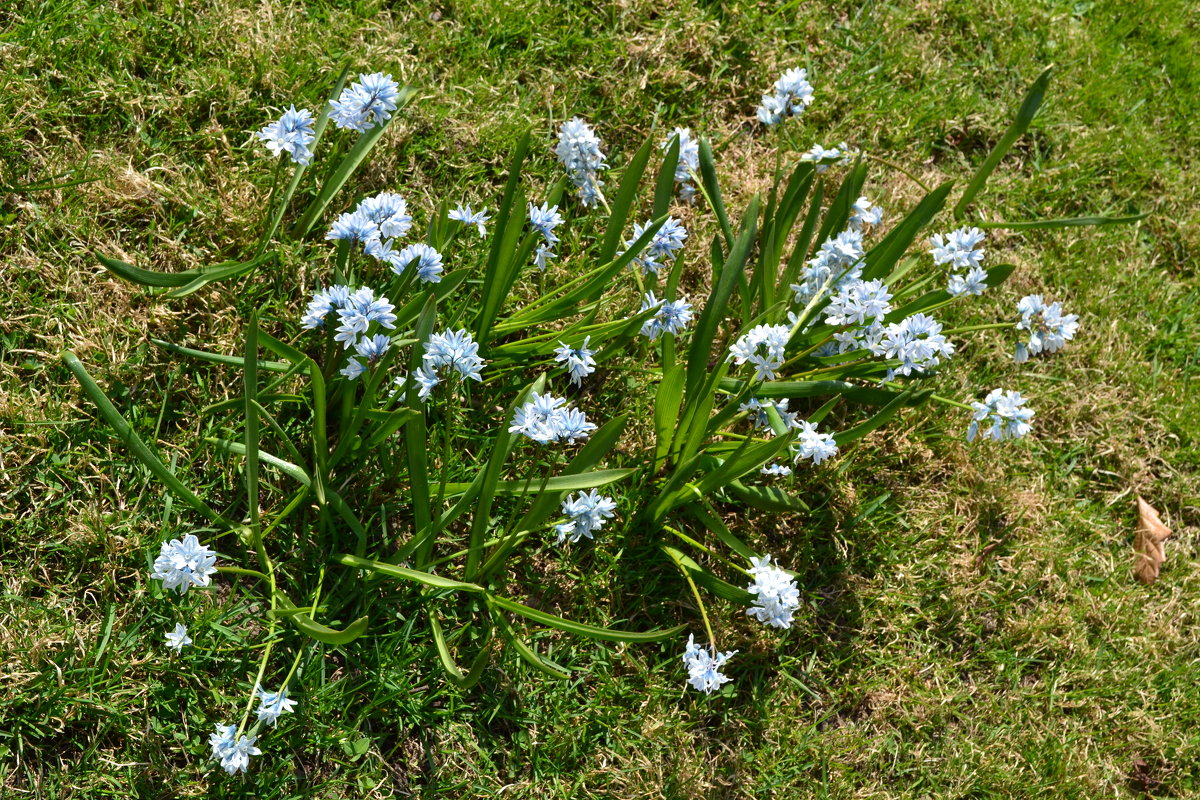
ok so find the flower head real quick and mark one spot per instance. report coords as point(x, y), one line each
point(273, 705)
point(864, 214)
point(671, 317)
point(183, 563)
point(973, 283)
point(857, 302)
point(427, 259)
point(578, 360)
point(587, 512)
point(455, 350)
point(812, 444)
point(793, 94)
point(1007, 413)
point(664, 245)
point(579, 151)
point(178, 638)
point(1049, 328)
point(776, 594)
point(389, 212)
point(823, 158)
point(368, 102)
point(544, 219)
point(466, 216)
point(292, 134)
point(703, 665)
point(542, 256)
point(546, 419)
point(917, 342)
point(354, 227)
point(231, 750)
point(763, 346)
point(958, 248)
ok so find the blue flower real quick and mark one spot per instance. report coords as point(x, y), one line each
point(671, 317)
point(546, 419)
point(292, 134)
point(588, 512)
point(544, 219)
point(466, 216)
point(1007, 412)
point(368, 102)
point(178, 638)
point(428, 260)
point(456, 350)
point(184, 563)
point(389, 212)
point(579, 360)
point(704, 666)
point(273, 705)
point(354, 227)
point(579, 151)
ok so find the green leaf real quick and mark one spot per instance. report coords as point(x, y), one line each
point(706, 516)
point(703, 577)
point(250, 379)
point(286, 467)
point(666, 411)
point(504, 235)
point(559, 483)
point(179, 280)
point(350, 162)
point(138, 447)
point(528, 654)
point(712, 189)
point(883, 256)
point(766, 498)
point(315, 630)
point(1069, 222)
point(218, 358)
point(1029, 108)
point(664, 188)
point(623, 202)
point(426, 578)
point(455, 675)
point(882, 416)
point(579, 628)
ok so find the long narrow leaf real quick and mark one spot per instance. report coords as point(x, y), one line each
point(1025, 114)
point(580, 628)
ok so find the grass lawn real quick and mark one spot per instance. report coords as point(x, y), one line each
point(970, 628)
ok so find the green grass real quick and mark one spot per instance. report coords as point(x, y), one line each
point(979, 635)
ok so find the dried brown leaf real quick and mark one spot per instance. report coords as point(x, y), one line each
point(1149, 544)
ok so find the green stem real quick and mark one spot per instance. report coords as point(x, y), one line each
point(901, 169)
point(705, 548)
point(984, 327)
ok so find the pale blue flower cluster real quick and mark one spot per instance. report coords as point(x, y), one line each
point(544, 219)
point(178, 638)
point(1007, 413)
point(838, 262)
point(356, 309)
point(579, 360)
point(864, 214)
point(812, 444)
point(792, 95)
point(587, 512)
point(231, 750)
point(447, 353)
point(688, 164)
point(671, 317)
point(763, 346)
point(776, 594)
point(974, 282)
point(703, 666)
point(579, 151)
point(184, 563)
point(776, 470)
point(273, 705)
point(958, 248)
point(859, 303)
point(1049, 328)
point(467, 216)
point(664, 246)
point(368, 102)
point(428, 261)
point(292, 134)
point(916, 341)
point(375, 224)
point(546, 419)
point(823, 158)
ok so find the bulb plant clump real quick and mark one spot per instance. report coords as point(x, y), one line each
point(432, 411)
